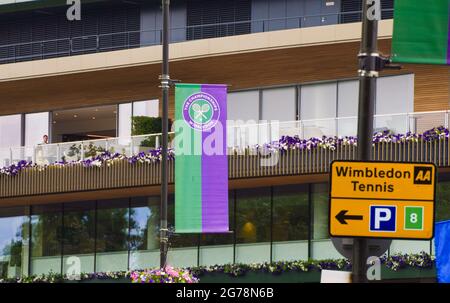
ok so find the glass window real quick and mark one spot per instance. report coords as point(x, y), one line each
point(144, 232)
point(125, 120)
point(395, 95)
point(290, 227)
point(443, 200)
point(10, 136)
point(243, 106)
point(46, 232)
point(348, 96)
point(112, 235)
point(279, 104)
point(79, 234)
point(318, 109)
point(318, 101)
point(243, 114)
point(36, 126)
point(319, 197)
point(253, 225)
point(290, 213)
point(10, 130)
point(321, 245)
point(253, 215)
point(14, 232)
point(146, 108)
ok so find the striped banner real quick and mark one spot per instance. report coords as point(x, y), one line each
point(201, 163)
point(421, 32)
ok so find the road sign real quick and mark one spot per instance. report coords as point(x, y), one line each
point(382, 200)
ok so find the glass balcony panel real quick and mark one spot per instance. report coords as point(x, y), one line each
point(347, 126)
point(396, 124)
point(319, 128)
point(421, 122)
point(92, 149)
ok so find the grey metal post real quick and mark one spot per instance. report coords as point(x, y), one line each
point(165, 86)
point(367, 96)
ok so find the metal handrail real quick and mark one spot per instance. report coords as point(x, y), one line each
point(240, 136)
point(98, 37)
point(292, 161)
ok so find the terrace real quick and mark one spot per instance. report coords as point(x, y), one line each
point(134, 162)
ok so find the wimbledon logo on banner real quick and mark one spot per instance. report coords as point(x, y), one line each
point(201, 111)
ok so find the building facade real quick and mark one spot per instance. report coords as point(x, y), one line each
point(82, 82)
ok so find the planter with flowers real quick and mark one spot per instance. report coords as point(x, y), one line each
point(395, 267)
point(168, 275)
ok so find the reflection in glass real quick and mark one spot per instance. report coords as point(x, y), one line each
point(46, 231)
point(319, 195)
point(79, 234)
point(253, 215)
point(112, 234)
point(13, 243)
point(443, 201)
point(290, 213)
point(144, 233)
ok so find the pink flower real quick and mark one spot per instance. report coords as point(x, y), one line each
point(172, 272)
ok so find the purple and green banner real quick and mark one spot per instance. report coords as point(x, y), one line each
point(201, 163)
point(421, 31)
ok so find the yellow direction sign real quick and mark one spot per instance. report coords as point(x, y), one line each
point(382, 200)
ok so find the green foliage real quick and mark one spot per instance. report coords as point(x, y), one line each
point(443, 201)
point(143, 125)
point(421, 261)
point(89, 151)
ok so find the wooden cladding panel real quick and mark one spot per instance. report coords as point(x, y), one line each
point(240, 71)
point(432, 88)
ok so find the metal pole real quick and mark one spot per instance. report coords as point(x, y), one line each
point(165, 85)
point(367, 96)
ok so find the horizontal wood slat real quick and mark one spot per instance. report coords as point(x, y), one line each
point(297, 65)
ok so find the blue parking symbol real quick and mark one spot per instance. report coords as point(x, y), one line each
point(383, 218)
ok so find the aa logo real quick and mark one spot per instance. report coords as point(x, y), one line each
point(422, 175)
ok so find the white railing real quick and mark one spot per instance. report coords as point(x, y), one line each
point(260, 133)
point(240, 135)
point(78, 150)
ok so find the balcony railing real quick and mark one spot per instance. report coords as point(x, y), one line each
point(44, 49)
point(240, 136)
point(122, 174)
point(401, 123)
point(245, 160)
